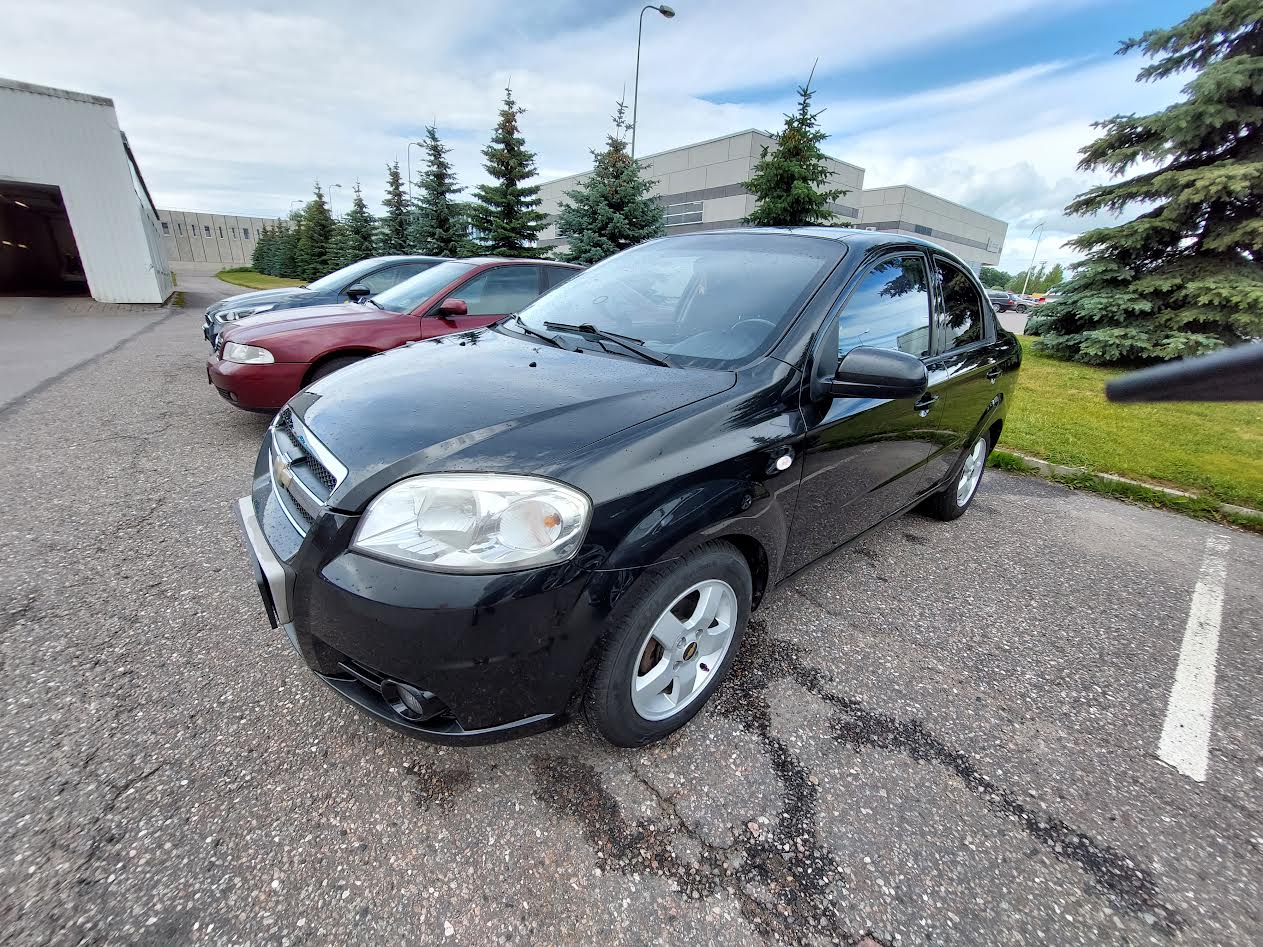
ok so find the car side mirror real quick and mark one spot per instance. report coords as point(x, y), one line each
point(358, 293)
point(453, 307)
point(879, 373)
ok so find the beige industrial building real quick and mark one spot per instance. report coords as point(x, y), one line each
point(700, 188)
point(193, 237)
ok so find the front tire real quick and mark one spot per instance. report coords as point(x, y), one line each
point(954, 499)
point(670, 644)
point(333, 365)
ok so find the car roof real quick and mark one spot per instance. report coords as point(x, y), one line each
point(861, 240)
point(407, 258)
point(485, 260)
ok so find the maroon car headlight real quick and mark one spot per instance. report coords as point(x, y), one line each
point(246, 354)
point(475, 523)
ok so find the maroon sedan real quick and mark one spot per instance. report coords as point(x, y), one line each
point(262, 361)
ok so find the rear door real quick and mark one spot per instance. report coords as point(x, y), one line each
point(964, 370)
point(864, 457)
point(489, 295)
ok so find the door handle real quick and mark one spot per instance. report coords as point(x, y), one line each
point(994, 374)
point(924, 403)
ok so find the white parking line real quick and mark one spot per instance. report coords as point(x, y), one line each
point(1185, 742)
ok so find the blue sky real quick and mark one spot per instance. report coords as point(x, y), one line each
point(237, 107)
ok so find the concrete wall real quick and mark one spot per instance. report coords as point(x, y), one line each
point(193, 237)
point(973, 236)
point(72, 141)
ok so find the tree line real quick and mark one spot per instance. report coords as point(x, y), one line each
point(610, 210)
point(1041, 280)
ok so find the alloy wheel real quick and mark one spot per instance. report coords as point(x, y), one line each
point(684, 649)
point(971, 472)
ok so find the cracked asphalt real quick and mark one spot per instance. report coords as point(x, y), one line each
point(946, 734)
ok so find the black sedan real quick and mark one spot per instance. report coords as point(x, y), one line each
point(577, 508)
point(350, 284)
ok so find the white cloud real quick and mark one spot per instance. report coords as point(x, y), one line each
point(237, 109)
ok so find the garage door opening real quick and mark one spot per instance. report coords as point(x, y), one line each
point(38, 255)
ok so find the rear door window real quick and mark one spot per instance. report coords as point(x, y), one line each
point(500, 291)
point(963, 321)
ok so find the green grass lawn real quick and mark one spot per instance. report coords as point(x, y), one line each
point(244, 276)
point(1059, 413)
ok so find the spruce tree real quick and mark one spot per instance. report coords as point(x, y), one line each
point(312, 256)
point(788, 181)
point(611, 209)
point(1186, 275)
point(258, 258)
point(392, 226)
point(353, 235)
point(287, 247)
point(506, 215)
point(439, 226)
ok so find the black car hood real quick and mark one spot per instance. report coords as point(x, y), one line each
point(482, 401)
point(261, 297)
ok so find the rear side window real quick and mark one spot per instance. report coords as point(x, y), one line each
point(890, 309)
point(963, 322)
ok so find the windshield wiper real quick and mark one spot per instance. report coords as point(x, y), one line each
point(551, 340)
point(374, 302)
point(635, 346)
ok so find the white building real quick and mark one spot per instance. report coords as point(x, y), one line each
point(75, 214)
point(700, 188)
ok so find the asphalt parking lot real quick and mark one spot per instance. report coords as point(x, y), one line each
point(949, 734)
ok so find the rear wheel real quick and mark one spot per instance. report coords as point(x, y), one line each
point(333, 365)
point(955, 497)
point(670, 646)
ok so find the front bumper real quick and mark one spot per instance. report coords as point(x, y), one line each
point(255, 387)
point(500, 655)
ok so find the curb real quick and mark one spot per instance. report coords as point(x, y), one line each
point(1047, 469)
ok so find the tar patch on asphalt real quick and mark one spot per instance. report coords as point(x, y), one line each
point(781, 875)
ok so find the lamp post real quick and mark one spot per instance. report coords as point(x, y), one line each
point(331, 187)
point(667, 12)
point(408, 153)
point(1027, 278)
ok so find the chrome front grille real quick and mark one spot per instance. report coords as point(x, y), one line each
point(304, 472)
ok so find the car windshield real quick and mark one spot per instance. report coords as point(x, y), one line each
point(705, 300)
point(412, 292)
point(345, 276)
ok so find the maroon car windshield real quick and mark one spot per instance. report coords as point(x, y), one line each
point(411, 293)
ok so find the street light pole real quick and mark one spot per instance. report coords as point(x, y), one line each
point(1027, 279)
point(408, 153)
point(331, 187)
point(667, 12)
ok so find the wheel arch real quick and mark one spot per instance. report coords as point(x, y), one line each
point(326, 357)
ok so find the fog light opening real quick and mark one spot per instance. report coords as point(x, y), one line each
point(410, 702)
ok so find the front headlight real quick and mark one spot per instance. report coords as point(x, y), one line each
point(246, 354)
point(234, 314)
point(477, 523)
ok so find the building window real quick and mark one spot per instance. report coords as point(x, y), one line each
point(923, 230)
point(690, 213)
point(180, 229)
point(233, 231)
point(245, 233)
point(221, 233)
point(206, 227)
point(166, 227)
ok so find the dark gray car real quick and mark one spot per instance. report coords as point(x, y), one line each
point(355, 282)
